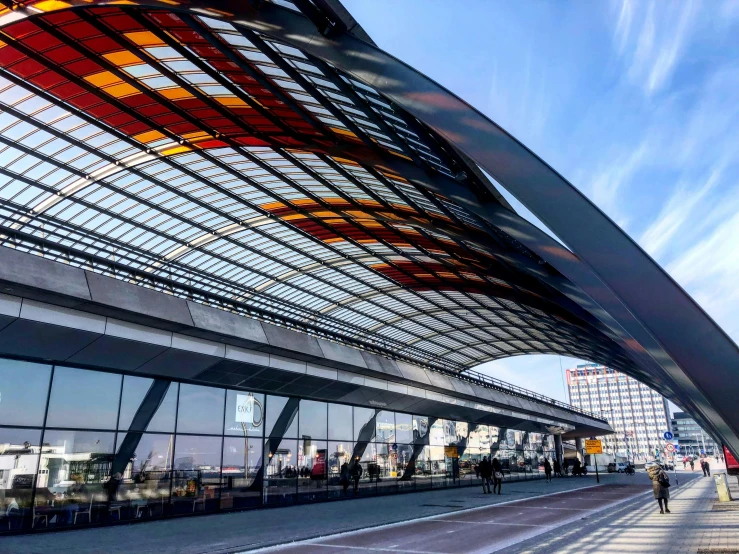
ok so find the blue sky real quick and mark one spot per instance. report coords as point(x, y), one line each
point(635, 103)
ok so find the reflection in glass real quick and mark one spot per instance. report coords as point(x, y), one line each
point(339, 471)
point(385, 426)
point(313, 419)
point(281, 472)
point(23, 392)
point(201, 410)
point(364, 425)
point(197, 475)
point(143, 488)
point(244, 413)
point(19, 453)
point(312, 468)
point(134, 392)
point(404, 466)
point(84, 399)
point(241, 486)
point(278, 406)
point(339, 422)
point(436, 433)
point(76, 467)
point(423, 469)
point(403, 428)
point(420, 427)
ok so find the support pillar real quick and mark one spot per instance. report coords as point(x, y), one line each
point(579, 447)
point(558, 452)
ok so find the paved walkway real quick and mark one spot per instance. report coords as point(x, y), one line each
point(692, 527)
point(235, 532)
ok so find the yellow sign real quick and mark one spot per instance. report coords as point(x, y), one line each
point(593, 447)
point(450, 452)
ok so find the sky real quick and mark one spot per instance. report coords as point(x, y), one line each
point(635, 103)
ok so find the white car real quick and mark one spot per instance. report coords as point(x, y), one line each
point(621, 467)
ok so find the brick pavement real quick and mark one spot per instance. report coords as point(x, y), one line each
point(638, 527)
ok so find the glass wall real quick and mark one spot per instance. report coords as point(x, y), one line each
point(80, 447)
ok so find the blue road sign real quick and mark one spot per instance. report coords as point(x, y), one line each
point(668, 436)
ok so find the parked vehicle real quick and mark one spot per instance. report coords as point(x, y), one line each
point(617, 467)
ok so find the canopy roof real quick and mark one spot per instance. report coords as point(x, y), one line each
point(188, 154)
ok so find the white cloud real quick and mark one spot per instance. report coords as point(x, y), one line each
point(677, 211)
point(653, 52)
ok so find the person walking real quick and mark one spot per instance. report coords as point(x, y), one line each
point(486, 472)
point(557, 468)
point(706, 468)
point(576, 467)
point(692, 464)
point(566, 466)
point(547, 470)
point(344, 477)
point(660, 486)
point(497, 475)
point(356, 471)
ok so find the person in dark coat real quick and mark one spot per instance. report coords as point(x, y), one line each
point(548, 470)
point(557, 468)
point(356, 472)
point(497, 475)
point(660, 486)
point(576, 467)
point(486, 472)
point(344, 477)
point(706, 468)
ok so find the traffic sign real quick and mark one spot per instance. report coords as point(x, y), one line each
point(670, 447)
point(667, 436)
point(593, 447)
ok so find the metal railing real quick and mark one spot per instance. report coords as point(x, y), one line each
point(493, 383)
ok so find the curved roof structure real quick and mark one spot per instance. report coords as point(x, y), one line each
point(267, 158)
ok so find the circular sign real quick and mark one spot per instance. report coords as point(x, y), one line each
point(670, 447)
point(667, 436)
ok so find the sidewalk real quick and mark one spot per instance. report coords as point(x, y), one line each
point(638, 527)
point(258, 528)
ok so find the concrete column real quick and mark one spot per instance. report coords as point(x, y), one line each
point(558, 452)
point(579, 447)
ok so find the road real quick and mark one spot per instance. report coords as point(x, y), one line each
point(476, 530)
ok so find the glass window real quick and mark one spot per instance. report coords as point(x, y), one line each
point(134, 392)
point(197, 476)
point(201, 410)
point(436, 434)
point(84, 399)
point(312, 468)
point(143, 490)
point(420, 428)
point(242, 462)
point(385, 426)
point(77, 466)
point(19, 451)
point(403, 428)
point(364, 424)
point(281, 473)
point(450, 432)
point(285, 411)
point(244, 414)
point(313, 419)
point(24, 389)
point(339, 475)
point(339, 422)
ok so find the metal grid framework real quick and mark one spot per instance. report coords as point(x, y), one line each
point(183, 153)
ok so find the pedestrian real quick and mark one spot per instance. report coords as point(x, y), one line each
point(344, 477)
point(660, 486)
point(486, 472)
point(566, 466)
point(497, 475)
point(548, 470)
point(692, 464)
point(356, 472)
point(557, 468)
point(717, 458)
point(576, 467)
point(685, 463)
point(706, 468)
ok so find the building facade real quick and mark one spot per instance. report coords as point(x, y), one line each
point(638, 414)
point(691, 439)
point(76, 449)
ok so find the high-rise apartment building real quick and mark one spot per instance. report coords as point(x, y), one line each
point(691, 438)
point(638, 414)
